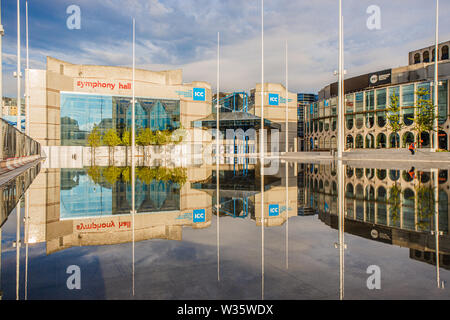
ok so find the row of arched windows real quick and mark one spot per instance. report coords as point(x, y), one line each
point(393, 141)
point(425, 57)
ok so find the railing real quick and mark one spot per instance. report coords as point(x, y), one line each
point(15, 147)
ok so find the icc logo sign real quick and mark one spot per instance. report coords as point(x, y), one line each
point(274, 210)
point(199, 94)
point(273, 99)
point(199, 216)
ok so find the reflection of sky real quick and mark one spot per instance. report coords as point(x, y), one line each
point(87, 199)
point(87, 110)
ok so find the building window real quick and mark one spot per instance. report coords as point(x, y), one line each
point(320, 125)
point(408, 138)
point(349, 142)
point(381, 99)
point(381, 174)
point(409, 209)
point(408, 95)
point(394, 140)
point(442, 140)
point(424, 140)
point(433, 54)
point(417, 58)
point(359, 121)
point(349, 121)
point(333, 124)
point(359, 102)
point(370, 100)
point(370, 141)
point(381, 119)
point(382, 206)
point(443, 102)
point(426, 56)
point(370, 119)
point(394, 175)
point(327, 124)
point(349, 103)
point(333, 143)
point(444, 53)
point(381, 140)
point(359, 142)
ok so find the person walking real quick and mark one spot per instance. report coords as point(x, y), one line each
point(412, 148)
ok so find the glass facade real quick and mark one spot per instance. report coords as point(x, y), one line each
point(81, 113)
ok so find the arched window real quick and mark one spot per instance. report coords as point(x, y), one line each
point(408, 138)
point(443, 140)
point(370, 141)
point(394, 175)
point(359, 202)
point(349, 172)
point(381, 174)
point(349, 122)
point(417, 58)
point(444, 53)
point(381, 141)
point(424, 176)
point(443, 176)
point(320, 125)
point(359, 172)
point(333, 143)
point(370, 204)
point(370, 173)
point(382, 206)
point(349, 196)
point(381, 119)
point(424, 140)
point(426, 56)
point(406, 176)
point(359, 142)
point(409, 209)
point(394, 140)
point(370, 119)
point(359, 121)
point(349, 142)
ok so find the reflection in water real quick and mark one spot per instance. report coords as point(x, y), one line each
point(98, 206)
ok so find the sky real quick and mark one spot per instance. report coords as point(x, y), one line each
point(172, 34)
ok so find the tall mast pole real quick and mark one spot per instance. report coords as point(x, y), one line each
point(2, 32)
point(340, 144)
point(19, 124)
point(27, 85)
point(286, 163)
point(436, 83)
point(262, 149)
point(218, 156)
point(133, 147)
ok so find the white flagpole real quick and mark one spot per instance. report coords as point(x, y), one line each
point(2, 32)
point(286, 164)
point(19, 124)
point(27, 131)
point(262, 149)
point(218, 156)
point(341, 129)
point(133, 143)
point(436, 82)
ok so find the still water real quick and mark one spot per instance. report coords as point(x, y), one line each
point(176, 246)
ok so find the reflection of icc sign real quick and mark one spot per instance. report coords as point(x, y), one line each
point(199, 94)
point(274, 210)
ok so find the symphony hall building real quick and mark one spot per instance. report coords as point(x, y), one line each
point(367, 98)
point(69, 100)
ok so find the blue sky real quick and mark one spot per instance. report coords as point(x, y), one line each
point(182, 34)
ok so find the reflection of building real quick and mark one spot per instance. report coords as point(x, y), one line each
point(368, 96)
point(383, 205)
point(68, 101)
point(67, 212)
point(240, 193)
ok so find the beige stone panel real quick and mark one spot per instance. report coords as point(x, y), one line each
point(56, 81)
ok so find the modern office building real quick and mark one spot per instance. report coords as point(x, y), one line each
point(69, 100)
point(303, 100)
point(367, 98)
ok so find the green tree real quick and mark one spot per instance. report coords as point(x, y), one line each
point(145, 138)
point(393, 116)
point(95, 173)
point(112, 140)
point(112, 174)
point(94, 141)
point(425, 114)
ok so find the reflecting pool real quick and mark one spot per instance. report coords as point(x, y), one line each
point(321, 230)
